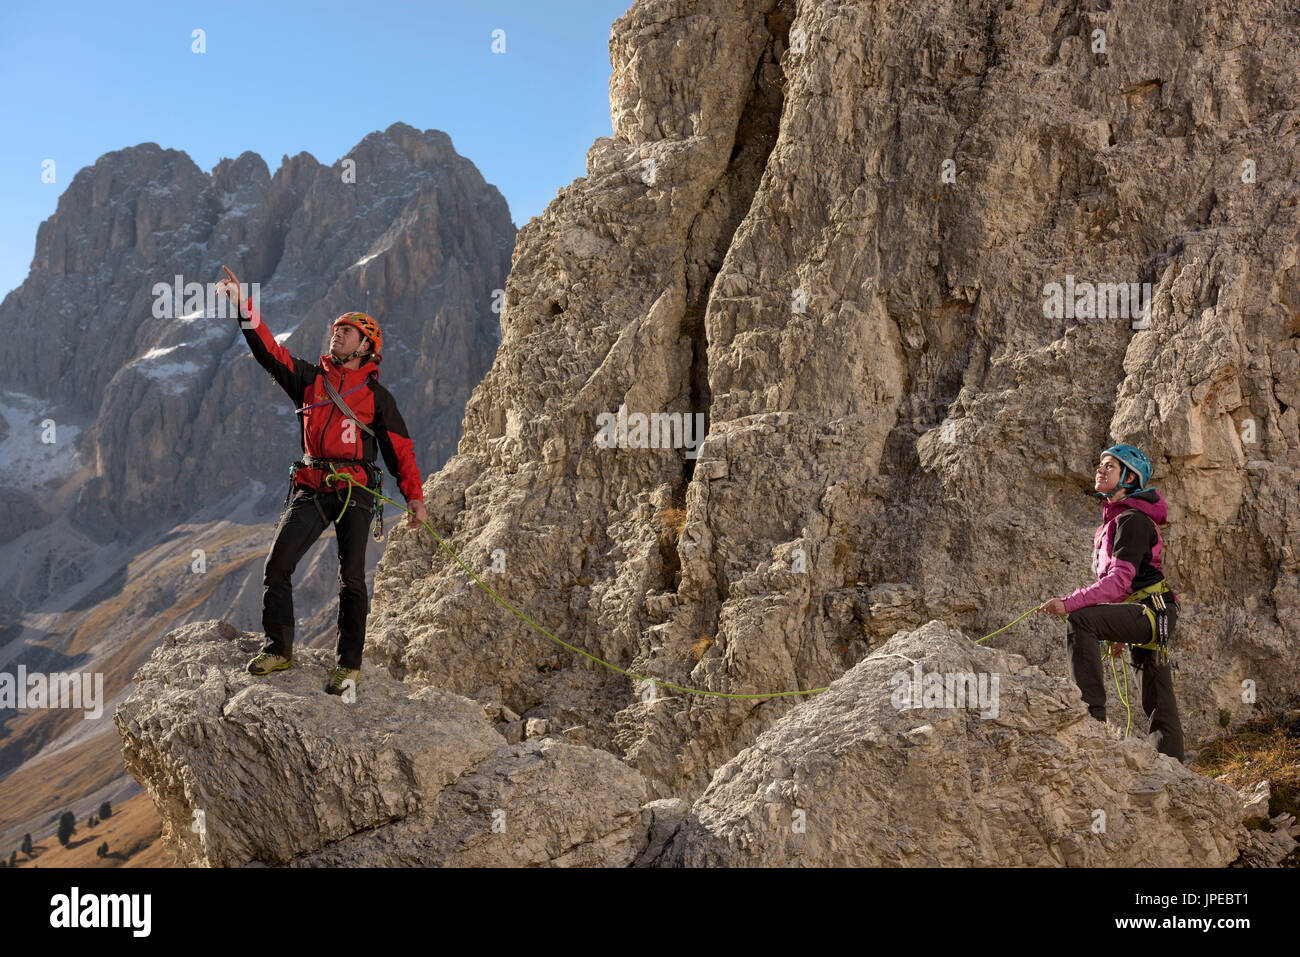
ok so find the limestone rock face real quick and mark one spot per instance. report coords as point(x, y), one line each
point(532, 804)
point(876, 772)
point(832, 231)
point(271, 769)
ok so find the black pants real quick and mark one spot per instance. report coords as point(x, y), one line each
point(303, 520)
point(1127, 623)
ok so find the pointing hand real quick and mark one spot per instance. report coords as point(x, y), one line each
point(230, 288)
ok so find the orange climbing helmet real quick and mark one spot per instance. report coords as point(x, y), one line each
point(368, 328)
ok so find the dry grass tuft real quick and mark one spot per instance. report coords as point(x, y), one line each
point(1265, 748)
point(672, 520)
point(700, 646)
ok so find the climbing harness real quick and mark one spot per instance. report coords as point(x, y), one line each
point(1158, 614)
point(341, 476)
point(375, 484)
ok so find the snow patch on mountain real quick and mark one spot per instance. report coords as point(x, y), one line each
point(39, 444)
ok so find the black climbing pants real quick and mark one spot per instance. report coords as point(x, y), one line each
point(304, 518)
point(1127, 623)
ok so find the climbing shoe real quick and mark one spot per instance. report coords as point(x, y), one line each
point(340, 675)
point(265, 663)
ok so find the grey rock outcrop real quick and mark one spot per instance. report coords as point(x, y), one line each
point(270, 769)
point(1269, 846)
point(1255, 801)
point(537, 803)
point(871, 772)
point(1019, 775)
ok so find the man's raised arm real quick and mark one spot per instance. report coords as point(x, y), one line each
point(294, 375)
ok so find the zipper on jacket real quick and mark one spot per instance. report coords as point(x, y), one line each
point(325, 429)
point(343, 381)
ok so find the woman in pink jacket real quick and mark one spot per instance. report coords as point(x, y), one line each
point(1126, 557)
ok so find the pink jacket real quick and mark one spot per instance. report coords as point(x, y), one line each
point(1125, 550)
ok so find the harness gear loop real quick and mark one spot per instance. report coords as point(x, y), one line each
point(1158, 614)
point(377, 530)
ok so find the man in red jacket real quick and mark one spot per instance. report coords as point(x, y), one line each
point(329, 439)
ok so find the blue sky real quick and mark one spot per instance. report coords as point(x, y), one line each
point(82, 79)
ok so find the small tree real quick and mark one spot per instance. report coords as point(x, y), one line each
point(102, 850)
point(90, 821)
point(13, 858)
point(67, 827)
point(105, 812)
point(27, 845)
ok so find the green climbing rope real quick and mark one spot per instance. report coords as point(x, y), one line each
point(334, 473)
point(1123, 695)
point(1008, 625)
point(348, 498)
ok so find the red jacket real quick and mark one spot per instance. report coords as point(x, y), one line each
point(325, 433)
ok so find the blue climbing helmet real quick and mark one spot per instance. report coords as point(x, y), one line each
point(1134, 461)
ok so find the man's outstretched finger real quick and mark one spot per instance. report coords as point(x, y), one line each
point(230, 286)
